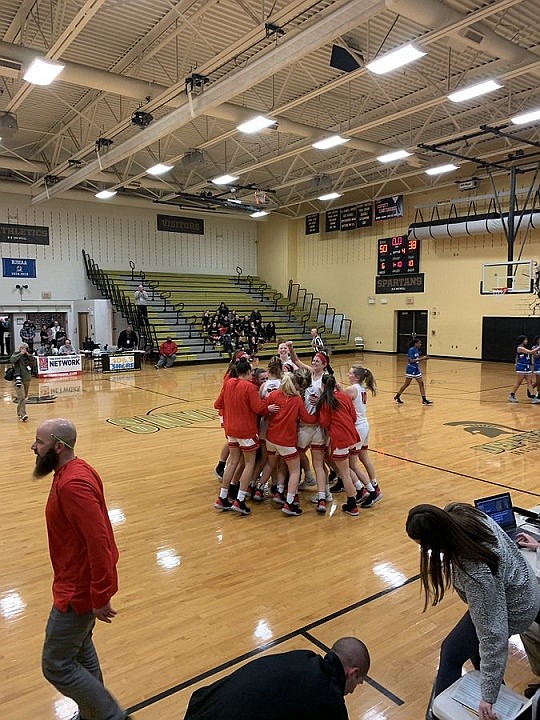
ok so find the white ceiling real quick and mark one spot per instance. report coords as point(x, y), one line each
point(124, 55)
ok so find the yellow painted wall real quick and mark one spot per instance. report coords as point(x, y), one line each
point(341, 268)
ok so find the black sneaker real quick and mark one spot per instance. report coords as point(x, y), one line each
point(530, 396)
point(223, 504)
point(331, 476)
point(372, 498)
point(240, 506)
point(425, 401)
point(291, 509)
point(219, 472)
point(338, 486)
point(351, 509)
point(398, 400)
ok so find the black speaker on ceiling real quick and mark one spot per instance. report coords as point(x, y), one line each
point(342, 59)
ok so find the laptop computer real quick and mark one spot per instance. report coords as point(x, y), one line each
point(500, 509)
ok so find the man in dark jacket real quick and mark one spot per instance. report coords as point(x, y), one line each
point(297, 685)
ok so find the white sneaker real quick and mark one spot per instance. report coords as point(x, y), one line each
point(512, 398)
point(329, 497)
point(535, 401)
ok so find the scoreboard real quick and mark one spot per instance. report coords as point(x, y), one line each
point(398, 255)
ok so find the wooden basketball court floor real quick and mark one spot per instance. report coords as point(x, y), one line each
point(201, 592)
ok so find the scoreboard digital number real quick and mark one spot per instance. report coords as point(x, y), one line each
point(398, 255)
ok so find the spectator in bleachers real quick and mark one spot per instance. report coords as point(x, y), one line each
point(270, 331)
point(223, 310)
point(256, 316)
point(141, 301)
point(205, 321)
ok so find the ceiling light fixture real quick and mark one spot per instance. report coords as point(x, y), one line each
point(224, 179)
point(106, 194)
point(330, 142)
point(441, 169)
point(474, 91)
point(256, 124)
point(259, 213)
point(42, 72)
point(391, 156)
point(395, 59)
point(527, 117)
point(329, 196)
point(159, 169)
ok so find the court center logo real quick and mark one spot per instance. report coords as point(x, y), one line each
point(153, 422)
point(515, 441)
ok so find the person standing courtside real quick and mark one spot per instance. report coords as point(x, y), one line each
point(83, 555)
point(141, 301)
point(22, 363)
point(296, 685)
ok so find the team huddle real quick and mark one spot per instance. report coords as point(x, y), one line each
point(273, 417)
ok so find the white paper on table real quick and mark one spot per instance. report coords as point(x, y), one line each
point(467, 693)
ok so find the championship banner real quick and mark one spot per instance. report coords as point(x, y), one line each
point(390, 207)
point(56, 365)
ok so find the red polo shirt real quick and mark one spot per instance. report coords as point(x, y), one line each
point(81, 541)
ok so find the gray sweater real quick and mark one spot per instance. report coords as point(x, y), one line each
point(500, 605)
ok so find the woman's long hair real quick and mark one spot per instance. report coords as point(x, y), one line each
point(275, 367)
point(288, 386)
point(364, 376)
point(328, 393)
point(449, 537)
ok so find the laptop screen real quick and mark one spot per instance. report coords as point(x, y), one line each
point(498, 508)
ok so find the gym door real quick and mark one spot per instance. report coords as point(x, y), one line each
point(412, 324)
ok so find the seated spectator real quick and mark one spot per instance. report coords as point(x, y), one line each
point(227, 342)
point(128, 339)
point(205, 321)
point(270, 331)
point(67, 348)
point(256, 315)
point(44, 349)
point(167, 354)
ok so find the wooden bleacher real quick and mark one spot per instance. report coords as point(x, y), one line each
point(178, 301)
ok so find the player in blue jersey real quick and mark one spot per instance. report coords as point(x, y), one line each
point(536, 367)
point(412, 371)
point(524, 358)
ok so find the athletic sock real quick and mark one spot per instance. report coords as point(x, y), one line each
point(280, 488)
point(290, 498)
point(321, 495)
point(369, 487)
point(358, 485)
point(220, 466)
point(241, 495)
point(223, 493)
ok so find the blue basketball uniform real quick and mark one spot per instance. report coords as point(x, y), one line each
point(523, 363)
point(536, 361)
point(413, 369)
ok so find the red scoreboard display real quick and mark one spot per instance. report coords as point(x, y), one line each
point(398, 255)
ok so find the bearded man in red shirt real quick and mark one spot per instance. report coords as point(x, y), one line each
point(83, 555)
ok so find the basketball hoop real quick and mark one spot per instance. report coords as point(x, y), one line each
point(260, 197)
point(499, 291)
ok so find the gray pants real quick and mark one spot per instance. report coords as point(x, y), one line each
point(168, 361)
point(22, 393)
point(70, 663)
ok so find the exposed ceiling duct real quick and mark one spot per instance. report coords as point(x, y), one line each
point(491, 223)
point(434, 14)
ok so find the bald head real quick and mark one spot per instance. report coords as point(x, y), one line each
point(355, 659)
point(54, 445)
point(60, 430)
